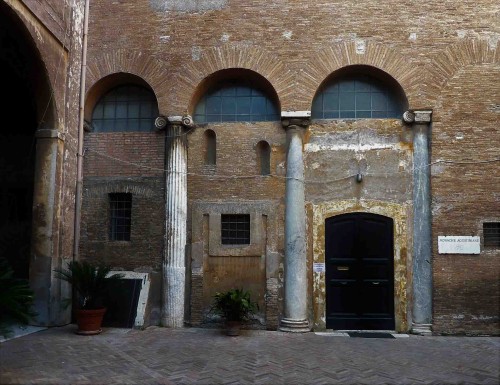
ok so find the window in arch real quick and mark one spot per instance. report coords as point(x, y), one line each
point(264, 158)
point(235, 103)
point(210, 147)
point(125, 108)
point(357, 97)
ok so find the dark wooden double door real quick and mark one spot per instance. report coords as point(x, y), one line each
point(359, 272)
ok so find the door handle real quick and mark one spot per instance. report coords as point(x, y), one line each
point(343, 268)
point(375, 283)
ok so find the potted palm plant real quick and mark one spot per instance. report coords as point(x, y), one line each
point(90, 283)
point(234, 306)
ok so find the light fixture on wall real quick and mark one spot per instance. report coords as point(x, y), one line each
point(359, 177)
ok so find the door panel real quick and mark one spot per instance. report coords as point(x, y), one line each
point(359, 272)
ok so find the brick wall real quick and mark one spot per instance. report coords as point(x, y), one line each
point(445, 57)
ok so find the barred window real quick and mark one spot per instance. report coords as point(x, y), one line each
point(228, 102)
point(357, 97)
point(235, 229)
point(125, 108)
point(491, 234)
point(120, 209)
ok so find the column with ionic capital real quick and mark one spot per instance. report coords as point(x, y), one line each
point(174, 259)
point(295, 306)
point(422, 221)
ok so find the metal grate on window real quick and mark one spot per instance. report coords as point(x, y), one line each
point(491, 234)
point(125, 108)
point(235, 103)
point(235, 229)
point(356, 98)
point(120, 206)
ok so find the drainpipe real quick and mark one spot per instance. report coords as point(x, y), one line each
point(79, 155)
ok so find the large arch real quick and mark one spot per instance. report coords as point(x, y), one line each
point(345, 54)
point(113, 66)
point(32, 146)
point(196, 73)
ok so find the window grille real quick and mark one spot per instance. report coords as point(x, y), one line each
point(235, 103)
point(356, 98)
point(120, 206)
point(491, 234)
point(235, 229)
point(125, 108)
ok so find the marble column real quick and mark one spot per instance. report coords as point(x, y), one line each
point(174, 261)
point(295, 308)
point(422, 224)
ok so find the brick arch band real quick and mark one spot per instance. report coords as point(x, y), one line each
point(145, 66)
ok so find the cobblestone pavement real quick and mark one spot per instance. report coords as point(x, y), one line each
point(205, 356)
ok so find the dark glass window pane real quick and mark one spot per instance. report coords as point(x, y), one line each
point(228, 105)
point(331, 102)
point(347, 114)
point(347, 101)
point(379, 102)
point(213, 105)
point(363, 101)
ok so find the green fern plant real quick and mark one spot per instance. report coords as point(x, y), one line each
point(234, 305)
point(16, 300)
point(89, 280)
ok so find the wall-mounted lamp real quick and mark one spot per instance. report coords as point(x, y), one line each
point(359, 177)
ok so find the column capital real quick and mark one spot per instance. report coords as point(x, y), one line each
point(300, 119)
point(161, 122)
point(418, 116)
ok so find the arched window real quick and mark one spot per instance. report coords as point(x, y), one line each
point(264, 158)
point(357, 97)
point(125, 108)
point(210, 147)
point(235, 102)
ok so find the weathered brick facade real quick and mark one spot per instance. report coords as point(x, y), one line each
point(445, 56)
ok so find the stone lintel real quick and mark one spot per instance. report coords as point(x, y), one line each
point(295, 118)
point(46, 133)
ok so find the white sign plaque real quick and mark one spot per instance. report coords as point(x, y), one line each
point(459, 245)
point(318, 267)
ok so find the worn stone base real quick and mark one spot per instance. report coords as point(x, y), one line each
point(421, 329)
point(294, 326)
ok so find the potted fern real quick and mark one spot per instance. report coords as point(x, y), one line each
point(90, 282)
point(234, 306)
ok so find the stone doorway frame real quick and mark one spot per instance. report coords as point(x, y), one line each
point(400, 213)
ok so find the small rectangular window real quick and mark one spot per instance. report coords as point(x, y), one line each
point(235, 229)
point(491, 234)
point(120, 214)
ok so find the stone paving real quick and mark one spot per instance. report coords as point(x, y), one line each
point(205, 356)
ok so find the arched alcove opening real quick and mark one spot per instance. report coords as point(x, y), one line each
point(263, 158)
point(210, 148)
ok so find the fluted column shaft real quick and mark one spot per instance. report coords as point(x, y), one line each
point(295, 307)
point(422, 225)
point(174, 261)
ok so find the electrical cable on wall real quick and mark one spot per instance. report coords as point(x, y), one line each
point(461, 162)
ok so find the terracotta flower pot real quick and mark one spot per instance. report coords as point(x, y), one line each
point(233, 328)
point(89, 321)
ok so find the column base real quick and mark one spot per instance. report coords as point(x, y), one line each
point(294, 326)
point(421, 329)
